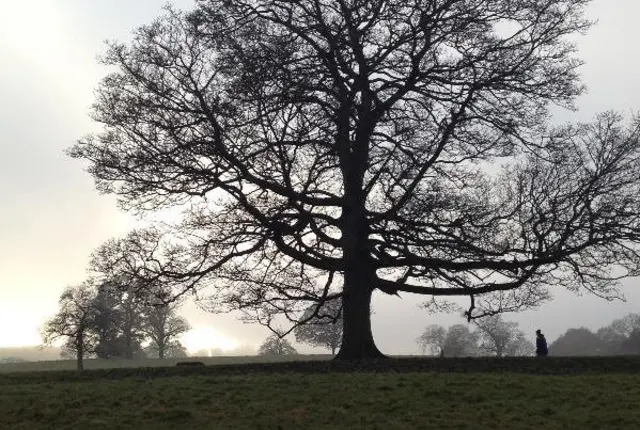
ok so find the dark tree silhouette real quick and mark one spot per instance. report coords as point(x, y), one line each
point(330, 148)
point(131, 325)
point(73, 322)
point(119, 321)
point(276, 345)
point(323, 328)
point(107, 321)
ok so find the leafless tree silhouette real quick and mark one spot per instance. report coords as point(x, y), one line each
point(326, 149)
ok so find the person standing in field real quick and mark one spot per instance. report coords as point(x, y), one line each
point(541, 344)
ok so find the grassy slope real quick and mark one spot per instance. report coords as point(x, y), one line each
point(382, 398)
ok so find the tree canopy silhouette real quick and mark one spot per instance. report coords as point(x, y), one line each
point(328, 149)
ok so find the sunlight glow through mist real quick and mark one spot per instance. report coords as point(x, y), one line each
point(207, 338)
point(18, 330)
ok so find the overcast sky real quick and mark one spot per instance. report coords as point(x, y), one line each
point(51, 217)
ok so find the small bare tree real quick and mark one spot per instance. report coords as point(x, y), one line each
point(432, 339)
point(502, 338)
point(162, 325)
point(274, 345)
point(323, 327)
point(173, 349)
point(457, 341)
point(74, 321)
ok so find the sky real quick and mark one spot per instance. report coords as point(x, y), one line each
point(51, 217)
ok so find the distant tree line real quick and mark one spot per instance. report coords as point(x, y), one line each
point(11, 360)
point(495, 337)
point(621, 337)
point(489, 336)
point(105, 321)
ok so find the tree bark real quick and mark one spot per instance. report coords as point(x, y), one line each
point(79, 357)
point(128, 350)
point(359, 273)
point(161, 348)
point(357, 337)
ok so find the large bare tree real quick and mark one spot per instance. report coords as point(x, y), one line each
point(329, 148)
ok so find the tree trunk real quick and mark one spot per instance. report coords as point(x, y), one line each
point(359, 280)
point(359, 273)
point(128, 344)
point(79, 357)
point(357, 338)
point(161, 348)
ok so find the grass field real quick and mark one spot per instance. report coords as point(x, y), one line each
point(402, 394)
point(36, 366)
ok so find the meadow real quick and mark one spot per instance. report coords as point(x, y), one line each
point(406, 393)
point(53, 365)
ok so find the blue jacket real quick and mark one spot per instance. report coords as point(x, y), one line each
point(541, 346)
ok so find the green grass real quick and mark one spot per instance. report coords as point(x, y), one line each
point(58, 365)
point(325, 401)
point(311, 396)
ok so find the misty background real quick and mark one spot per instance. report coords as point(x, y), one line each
point(51, 217)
